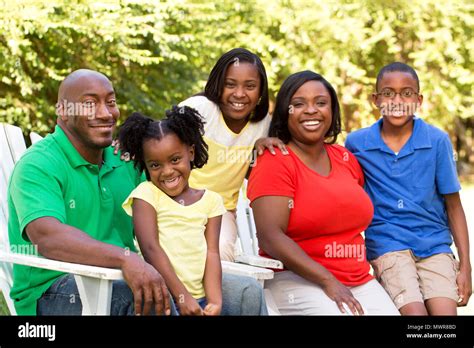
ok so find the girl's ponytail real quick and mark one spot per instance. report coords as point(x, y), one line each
point(187, 124)
point(131, 136)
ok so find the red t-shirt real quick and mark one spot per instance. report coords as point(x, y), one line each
point(328, 213)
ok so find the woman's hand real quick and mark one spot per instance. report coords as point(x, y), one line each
point(212, 309)
point(464, 283)
point(340, 294)
point(125, 156)
point(189, 306)
point(268, 143)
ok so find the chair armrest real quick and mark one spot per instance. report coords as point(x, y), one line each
point(259, 261)
point(60, 266)
point(245, 270)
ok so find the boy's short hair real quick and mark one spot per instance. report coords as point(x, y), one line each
point(397, 66)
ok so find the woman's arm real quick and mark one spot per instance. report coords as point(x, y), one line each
point(146, 230)
point(271, 218)
point(458, 226)
point(213, 272)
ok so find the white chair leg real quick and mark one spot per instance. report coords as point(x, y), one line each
point(95, 295)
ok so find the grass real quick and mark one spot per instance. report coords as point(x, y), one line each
point(3, 305)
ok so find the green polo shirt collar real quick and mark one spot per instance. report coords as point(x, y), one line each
point(76, 160)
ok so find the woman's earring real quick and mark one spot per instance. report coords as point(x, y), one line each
point(259, 100)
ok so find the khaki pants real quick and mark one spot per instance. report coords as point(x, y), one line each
point(408, 278)
point(295, 295)
point(228, 236)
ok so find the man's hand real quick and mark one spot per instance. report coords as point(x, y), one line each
point(147, 285)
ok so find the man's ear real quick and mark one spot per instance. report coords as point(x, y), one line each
point(60, 112)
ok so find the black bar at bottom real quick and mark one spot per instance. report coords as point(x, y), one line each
point(427, 331)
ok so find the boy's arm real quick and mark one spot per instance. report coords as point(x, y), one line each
point(146, 230)
point(458, 226)
point(213, 271)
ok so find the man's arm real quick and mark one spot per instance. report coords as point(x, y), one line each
point(59, 241)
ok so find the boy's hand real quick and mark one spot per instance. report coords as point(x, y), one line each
point(269, 143)
point(189, 306)
point(212, 309)
point(125, 156)
point(464, 282)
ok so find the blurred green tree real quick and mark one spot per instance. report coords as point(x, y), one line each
point(159, 53)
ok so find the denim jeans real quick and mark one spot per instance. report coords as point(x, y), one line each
point(240, 296)
point(62, 298)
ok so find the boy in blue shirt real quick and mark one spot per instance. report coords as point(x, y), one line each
point(410, 175)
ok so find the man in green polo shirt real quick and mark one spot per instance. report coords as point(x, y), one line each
point(64, 197)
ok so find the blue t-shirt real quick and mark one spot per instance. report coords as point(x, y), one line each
point(407, 189)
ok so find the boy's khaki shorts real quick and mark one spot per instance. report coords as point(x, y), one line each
point(408, 278)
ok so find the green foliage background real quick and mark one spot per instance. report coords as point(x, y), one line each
point(158, 53)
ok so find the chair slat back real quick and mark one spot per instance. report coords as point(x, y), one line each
point(12, 147)
point(15, 141)
point(246, 225)
point(35, 137)
point(6, 168)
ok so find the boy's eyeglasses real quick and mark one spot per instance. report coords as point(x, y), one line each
point(390, 93)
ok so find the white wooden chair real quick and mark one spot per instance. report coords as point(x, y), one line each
point(94, 283)
point(248, 245)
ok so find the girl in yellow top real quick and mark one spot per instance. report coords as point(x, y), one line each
point(177, 226)
point(234, 106)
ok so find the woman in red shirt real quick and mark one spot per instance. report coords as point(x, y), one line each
point(310, 208)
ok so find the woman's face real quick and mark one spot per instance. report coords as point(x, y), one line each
point(310, 113)
point(241, 91)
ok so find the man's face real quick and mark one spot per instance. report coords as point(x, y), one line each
point(89, 111)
